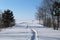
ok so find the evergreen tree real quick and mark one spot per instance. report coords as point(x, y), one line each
point(8, 18)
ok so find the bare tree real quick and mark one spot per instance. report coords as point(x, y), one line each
point(48, 6)
point(40, 15)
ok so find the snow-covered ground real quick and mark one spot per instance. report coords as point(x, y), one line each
point(32, 32)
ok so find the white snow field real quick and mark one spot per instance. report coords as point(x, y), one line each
point(29, 32)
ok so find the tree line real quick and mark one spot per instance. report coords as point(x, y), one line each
point(7, 19)
point(49, 13)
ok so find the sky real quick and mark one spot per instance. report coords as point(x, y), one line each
point(23, 10)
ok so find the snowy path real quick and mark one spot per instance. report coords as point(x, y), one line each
point(34, 36)
point(29, 34)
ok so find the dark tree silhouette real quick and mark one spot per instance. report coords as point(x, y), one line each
point(48, 7)
point(56, 12)
point(53, 7)
point(8, 18)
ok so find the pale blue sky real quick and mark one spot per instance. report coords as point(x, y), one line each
point(24, 10)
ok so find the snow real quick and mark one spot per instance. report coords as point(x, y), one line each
point(33, 32)
point(30, 25)
point(34, 36)
point(48, 34)
point(15, 34)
